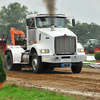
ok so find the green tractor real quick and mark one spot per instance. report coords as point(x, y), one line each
point(91, 46)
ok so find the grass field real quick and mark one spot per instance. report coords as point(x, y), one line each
point(13, 92)
point(90, 54)
point(92, 61)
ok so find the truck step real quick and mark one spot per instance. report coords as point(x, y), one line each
point(24, 63)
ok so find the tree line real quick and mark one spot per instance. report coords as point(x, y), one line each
point(86, 31)
point(14, 15)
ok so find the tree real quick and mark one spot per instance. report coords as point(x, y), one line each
point(35, 12)
point(13, 15)
point(2, 71)
point(68, 23)
point(86, 31)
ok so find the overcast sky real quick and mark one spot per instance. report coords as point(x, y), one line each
point(82, 10)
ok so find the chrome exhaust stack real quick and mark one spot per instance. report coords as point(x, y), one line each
point(52, 27)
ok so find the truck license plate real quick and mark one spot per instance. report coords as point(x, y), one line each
point(65, 60)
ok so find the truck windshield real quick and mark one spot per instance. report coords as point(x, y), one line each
point(45, 22)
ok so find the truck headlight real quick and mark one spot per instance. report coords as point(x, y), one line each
point(45, 51)
point(80, 50)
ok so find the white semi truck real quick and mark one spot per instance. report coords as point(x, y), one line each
point(50, 44)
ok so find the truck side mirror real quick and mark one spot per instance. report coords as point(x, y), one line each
point(73, 22)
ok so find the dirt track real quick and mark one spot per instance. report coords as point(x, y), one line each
point(88, 81)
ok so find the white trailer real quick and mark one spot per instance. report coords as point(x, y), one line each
point(50, 44)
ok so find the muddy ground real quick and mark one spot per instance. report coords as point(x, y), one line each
point(83, 85)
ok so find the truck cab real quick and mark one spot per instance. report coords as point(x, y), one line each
point(50, 44)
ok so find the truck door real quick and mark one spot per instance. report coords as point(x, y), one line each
point(31, 31)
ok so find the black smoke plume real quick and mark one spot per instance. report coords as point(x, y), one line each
point(50, 6)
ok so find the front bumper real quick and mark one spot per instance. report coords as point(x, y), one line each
point(63, 59)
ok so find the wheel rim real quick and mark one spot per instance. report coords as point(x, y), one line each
point(96, 49)
point(85, 50)
point(34, 63)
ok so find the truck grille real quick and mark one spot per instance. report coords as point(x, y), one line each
point(65, 45)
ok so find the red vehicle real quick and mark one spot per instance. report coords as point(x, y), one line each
point(3, 42)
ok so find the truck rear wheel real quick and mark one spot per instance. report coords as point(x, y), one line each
point(76, 67)
point(9, 63)
point(36, 63)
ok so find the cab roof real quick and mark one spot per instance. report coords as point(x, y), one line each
point(44, 15)
point(93, 39)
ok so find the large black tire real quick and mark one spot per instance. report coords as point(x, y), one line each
point(48, 67)
point(51, 68)
point(45, 66)
point(9, 63)
point(76, 67)
point(37, 65)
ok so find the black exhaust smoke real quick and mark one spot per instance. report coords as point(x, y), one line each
point(50, 5)
point(51, 8)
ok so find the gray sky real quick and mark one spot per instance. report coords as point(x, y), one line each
point(82, 10)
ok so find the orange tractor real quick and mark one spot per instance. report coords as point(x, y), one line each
point(20, 36)
point(17, 38)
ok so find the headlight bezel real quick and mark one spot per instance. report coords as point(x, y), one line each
point(80, 50)
point(44, 51)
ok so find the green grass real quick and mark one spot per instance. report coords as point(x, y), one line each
point(86, 66)
point(13, 92)
point(90, 54)
point(92, 61)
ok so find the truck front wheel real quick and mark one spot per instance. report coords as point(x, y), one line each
point(36, 63)
point(76, 67)
point(9, 63)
